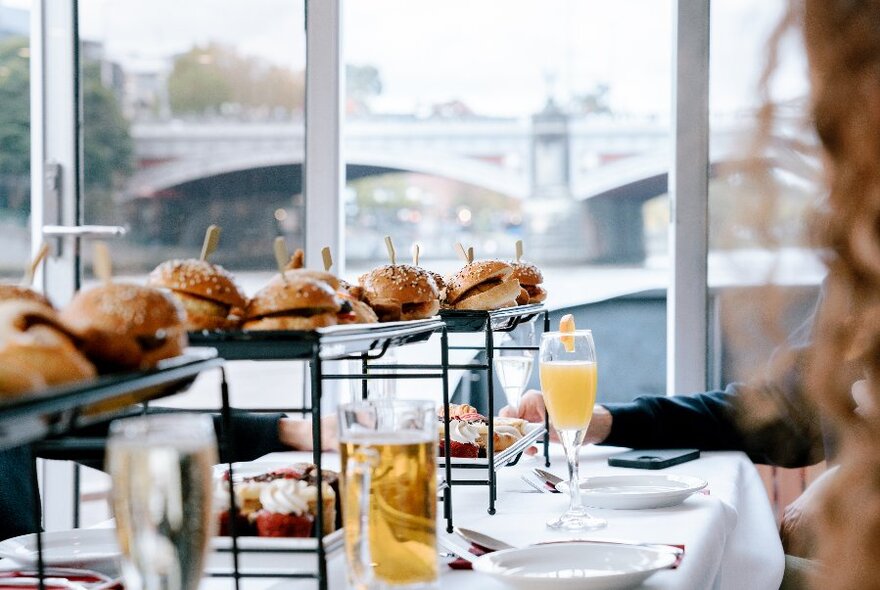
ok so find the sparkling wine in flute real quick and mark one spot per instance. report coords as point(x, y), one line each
point(513, 373)
point(162, 498)
point(568, 381)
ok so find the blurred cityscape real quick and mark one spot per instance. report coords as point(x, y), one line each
point(212, 135)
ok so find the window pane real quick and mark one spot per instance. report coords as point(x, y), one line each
point(193, 115)
point(757, 213)
point(547, 121)
point(15, 157)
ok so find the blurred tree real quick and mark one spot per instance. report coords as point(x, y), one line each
point(106, 141)
point(214, 77)
point(362, 84)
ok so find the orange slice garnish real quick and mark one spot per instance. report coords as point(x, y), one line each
point(566, 324)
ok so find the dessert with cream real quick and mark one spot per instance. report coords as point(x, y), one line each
point(469, 432)
point(279, 503)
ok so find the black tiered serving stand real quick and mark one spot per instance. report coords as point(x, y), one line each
point(364, 342)
point(44, 417)
point(489, 323)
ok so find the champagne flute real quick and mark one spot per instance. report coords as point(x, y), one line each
point(568, 380)
point(513, 364)
point(161, 470)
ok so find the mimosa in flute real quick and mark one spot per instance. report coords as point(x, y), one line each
point(568, 379)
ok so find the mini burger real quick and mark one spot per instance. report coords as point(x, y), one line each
point(483, 285)
point(36, 349)
point(530, 279)
point(400, 292)
point(292, 301)
point(123, 327)
point(208, 292)
point(19, 293)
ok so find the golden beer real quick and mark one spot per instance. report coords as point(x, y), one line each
point(401, 522)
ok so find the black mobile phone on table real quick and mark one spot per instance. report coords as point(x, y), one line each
point(653, 459)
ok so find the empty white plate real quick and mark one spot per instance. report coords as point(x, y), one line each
point(581, 565)
point(95, 549)
point(635, 492)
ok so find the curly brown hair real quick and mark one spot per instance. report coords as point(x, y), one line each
point(842, 40)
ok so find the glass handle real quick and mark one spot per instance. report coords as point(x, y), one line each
point(357, 481)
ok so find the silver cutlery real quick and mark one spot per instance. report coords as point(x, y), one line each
point(482, 540)
point(547, 477)
point(538, 487)
point(456, 549)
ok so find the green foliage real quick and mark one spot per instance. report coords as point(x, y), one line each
point(211, 77)
point(106, 142)
point(14, 107)
point(362, 83)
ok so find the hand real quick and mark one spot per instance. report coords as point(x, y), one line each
point(531, 409)
point(798, 528)
point(296, 433)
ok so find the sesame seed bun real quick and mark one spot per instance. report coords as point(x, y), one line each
point(210, 297)
point(400, 292)
point(125, 326)
point(17, 292)
point(492, 294)
point(318, 275)
point(475, 273)
point(292, 302)
point(527, 273)
point(523, 297)
point(36, 349)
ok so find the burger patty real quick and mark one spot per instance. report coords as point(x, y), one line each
point(199, 306)
point(304, 312)
point(533, 290)
point(481, 288)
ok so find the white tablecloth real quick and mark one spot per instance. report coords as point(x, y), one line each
point(730, 535)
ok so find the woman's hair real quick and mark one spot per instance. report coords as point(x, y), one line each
point(842, 40)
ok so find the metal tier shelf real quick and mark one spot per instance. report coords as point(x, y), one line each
point(330, 343)
point(498, 320)
point(58, 410)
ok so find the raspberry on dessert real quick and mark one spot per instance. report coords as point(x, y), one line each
point(274, 524)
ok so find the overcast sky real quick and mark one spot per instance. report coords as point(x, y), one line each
point(499, 56)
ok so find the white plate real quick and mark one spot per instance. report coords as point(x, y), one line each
point(581, 565)
point(636, 492)
point(95, 549)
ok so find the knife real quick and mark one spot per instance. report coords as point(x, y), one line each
point(548, 478)
point(482, 540)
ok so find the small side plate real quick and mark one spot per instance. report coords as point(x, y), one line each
point(636, 492)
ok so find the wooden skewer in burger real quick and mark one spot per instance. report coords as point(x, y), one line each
point(24, 291)
point(529, 277)
point(208, 293)
point(400, 291)
point(482, 284)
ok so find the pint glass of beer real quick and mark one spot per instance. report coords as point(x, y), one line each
point(389, 493)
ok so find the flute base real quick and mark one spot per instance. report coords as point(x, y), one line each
point(577, 520)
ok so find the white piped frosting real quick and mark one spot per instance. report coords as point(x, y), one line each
point(286, 496)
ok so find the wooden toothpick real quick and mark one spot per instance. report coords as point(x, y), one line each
point(212, 239)
point(415, 252)
point(327, 257)
point(462, 252)
point(470, 254)
point(281, 255)
point(31, 270)
point(391, 253)
point(102, 264)
point(519, 250)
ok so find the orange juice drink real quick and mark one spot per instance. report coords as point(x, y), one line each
point(569, 392)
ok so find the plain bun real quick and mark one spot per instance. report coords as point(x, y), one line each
point(19, 293)
point(491, 295)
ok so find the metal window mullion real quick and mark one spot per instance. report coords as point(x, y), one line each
point(324, 167)
point(687, 308)
point(55, 106)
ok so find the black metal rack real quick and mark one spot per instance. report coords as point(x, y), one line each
point(364, 342)
point(34, 418)
point(489, 323)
